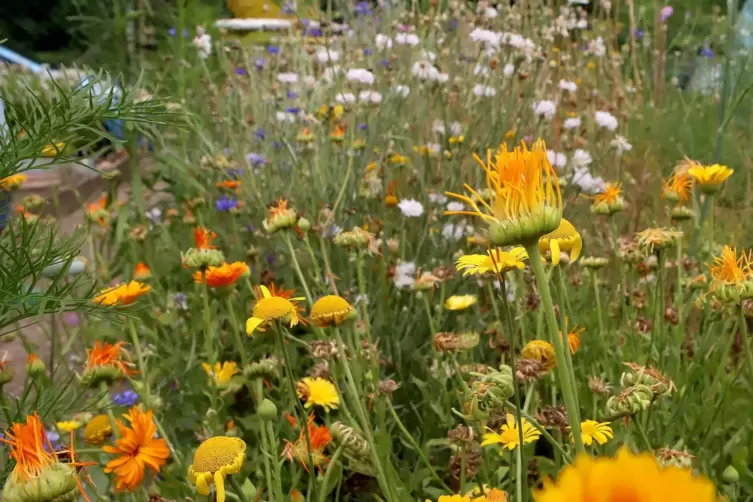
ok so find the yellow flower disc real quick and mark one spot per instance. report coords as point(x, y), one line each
point(98, 429)
point(273, 308)
point(218, 452)
point(330, 310)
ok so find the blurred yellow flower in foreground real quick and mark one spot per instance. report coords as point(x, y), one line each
point(460, 302)
point(496, 261)
point(68, 425)
point(122, 294)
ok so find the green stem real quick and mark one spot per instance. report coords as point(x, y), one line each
point(296, 266)
point(365, 425)
point(362, 292)
point(314, 261)
point(556, 444)
point(328, 474)
point(421, 453)
point(208, 331)
point(235, 329)
point(265, 450)
point(237, 488)
point(566, 379)
point(746, 341)
point(6, 409)
point(427, 306)
point(599, 314)
point(140, 359)
point(271, 442)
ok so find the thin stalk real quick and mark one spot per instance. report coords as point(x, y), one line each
point(297, 267)
point(236, 332)
point(208, 331)
point(556, 444)
point(328, 474)
point(746, 341)
point(271, 442)
point(139, 358)
point(599, 314)
point(258, 389)
point(427, 306)
point(237, 488)
point(564, 376)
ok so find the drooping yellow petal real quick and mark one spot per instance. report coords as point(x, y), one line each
point(264, 291)
point(554, 246)
point(251, 324)
point(219, 483)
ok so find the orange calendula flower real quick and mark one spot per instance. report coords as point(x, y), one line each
point(106, 361)
point(390, 199)
point(573, 336)
point(626, 477)
point(280, 216)
point(319, 438)
point(122, 294)
point(203, 238)
point(732, 276)
point(97, 211)
point(141, 271)
point(39, 473)
point(224, 275)
point(609, 201)
point(137, 448)
point(524, 199)
point(677, 187)
point(229, 184)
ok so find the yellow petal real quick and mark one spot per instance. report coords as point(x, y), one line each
point(219, 483)
point(201, 483)
point(577, 247)
point(554, 246)
point(265, 292)
point(251, 324)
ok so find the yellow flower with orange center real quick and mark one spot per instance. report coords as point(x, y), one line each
point(524, 199)
point(565, 238)
point(122, 294)
point(219, 277)
point(270, 309)
point(626, 477)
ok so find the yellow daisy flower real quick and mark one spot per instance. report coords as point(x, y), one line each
point(318, 392)
point(331, 310)
point(564, 238)
point(221, 373)
point(637, 478)
point(460, 302)
point(98, 429)
point(486, 494)
point(496, 261)
point(509, 436)
point(68, 425)
point(595, 431)
point(12, 182)
point(710, 178)
point(214, 459)
point(541, 351)
point(272, 308)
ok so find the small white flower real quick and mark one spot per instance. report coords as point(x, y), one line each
point(544, 108)
point(370, 97)
point(567, 85)
point(410, 39)
point(581, 158)
point(285, 117)
point(403, 281)
point(508, 70)
point(203, 43)
point(330, 73)
point(428, 55)
point(324, 55)
point(557, 159)
point(490, 12)
point(309, 81)
point(401, 90)
point(484, 90)
point(620, 143)
point(481, 69)
point(455, 206)
point(452, 232)
point(456, 128)
point(571, 123)
point(288, 78)
point(440, 78)
point(583, 178)
point(597, 47)
point(383, 42)
point(345, 98)
point(405, 268)
point(606, 120)
point(360, 75)
point(424, 70)
point(487, 37)
point(437, 127)
point(411, 208)
point(437, 198)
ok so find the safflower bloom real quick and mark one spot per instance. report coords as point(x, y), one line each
point(280, 216)
point(219, 277)
point(677, 187)
point(98, 429)
point(221, 373)
point(573, 337)
point(710, 178)
point(203, 238)
point(460, 302)
point(331, 310)
point(495, 260)
point(564, 238)
point(137, 448)
point(509, 436)
point(657, 238)
point(732, 281)
point(319, 437)
point(214, 459)
point(540, 351)
point(318, 392)
point(272, 308)
point(38, 475)
point(106, 361)
point(524, 195)
point(609, 201)
point(637, 478)
point(595, 431)
point(122, 294)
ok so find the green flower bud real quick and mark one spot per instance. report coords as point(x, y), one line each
point(304, 224)
point(267, 411)
point(594, 262)
point(525, 228)
point(349, 439)
point(608, 208)
point(734, 293)
point(730, 475)
point(265, 368)
point(34, 366)
point(681, 213)
point(488, 392)
point(280, 218)
point(652, 378)
point(56, 482)
point(6, 374)
point(203, 258)
point(356, 238)
point(91, 377)
point(629, 402)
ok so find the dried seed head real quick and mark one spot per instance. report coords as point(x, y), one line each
point(462, 435)
point(553, 417)
point(324, 349)
point(599, 386)
point(320, 370)
point(472, 460)
point(671, 315)
point(388, 386)
point(529, 370)
point(643, 325)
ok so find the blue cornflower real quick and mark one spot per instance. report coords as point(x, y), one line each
point(259, 64)
point(707, 52)
point(181, 301)
point(292, 109)
point(367, 51)
point(292, 95)
point(173, 32)
point(288, 8)
point(128, 397)
point(314, 32)
point(362, 127)
point(363, 9)
point(273, 49)
point(241, 71)
point(259, 133)
point(256, 159)
point(226, 203)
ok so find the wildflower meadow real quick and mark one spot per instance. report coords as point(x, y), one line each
point(439, 251)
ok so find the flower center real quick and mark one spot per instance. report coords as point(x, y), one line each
point(216, 452)
point(272, 308)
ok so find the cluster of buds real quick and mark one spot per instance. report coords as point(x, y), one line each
point(202, 258)
point(642, 386)
point(594, 262)
point(450, 342)
point(654, 379)
point(488, 391)
point(733, 293)
point(629, 402)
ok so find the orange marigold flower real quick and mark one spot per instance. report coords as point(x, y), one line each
point(141, 271)
point(106, 361)
point(319, 438)
point(677, 187)
point(122, 294)
point(224, 275)
point(137, 448)
point(204, 238)
point(229, 184)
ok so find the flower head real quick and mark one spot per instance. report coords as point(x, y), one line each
point(136, 449)
point(509, 436)
point(280, 216)
point(710, 178)
point(223, 276)
point(214, 459)
point(524, 200)
point(486, 494)
point(677, 187)
point(68, 426)
point(652, 239)
point(203, 238)
point(540, 351)
point(122, 294)
point(495, 261)
point(221, 373)
point(609, 201)
point(637, 478)
point(595, 431)
point(98, 429)
point(272, 308)
point(460, 302)
point(732, 276)
point(564, 238)
point(141, 272)
point(319, 437)
point(318, 392)
point(331, 310)
point(106, 361)
point(12, 182)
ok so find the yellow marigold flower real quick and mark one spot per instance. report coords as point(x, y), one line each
point(486, 494)
point(496, 261)
point(566, 239)
point(318, 392)
point(221, 373)
point(609, 201)
point(53, 149)
point(68, 425)
point(122, 294)
point(460, 302)
point(732, 281)
point(541, 351)
point(524, 200)
point(657, 238)
point(452, 498)
point(12, 182)
point(272, 308)
point(626, 477)
point(595, 431)
point(509, 436)
point(710, 178)
point(98, 429)
point(214, 459)
point(398, 160)
point(331, 310)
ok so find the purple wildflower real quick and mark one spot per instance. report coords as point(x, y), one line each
point(128, 397)
point(259, 64)
point(666, 12)
point(273, 49)
point(707, 52)
point(256, 159)
point(172, 32)
point(241, 71)
point(226, 203)
point(181, 301)
point(363, 9)
point(259, 133)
